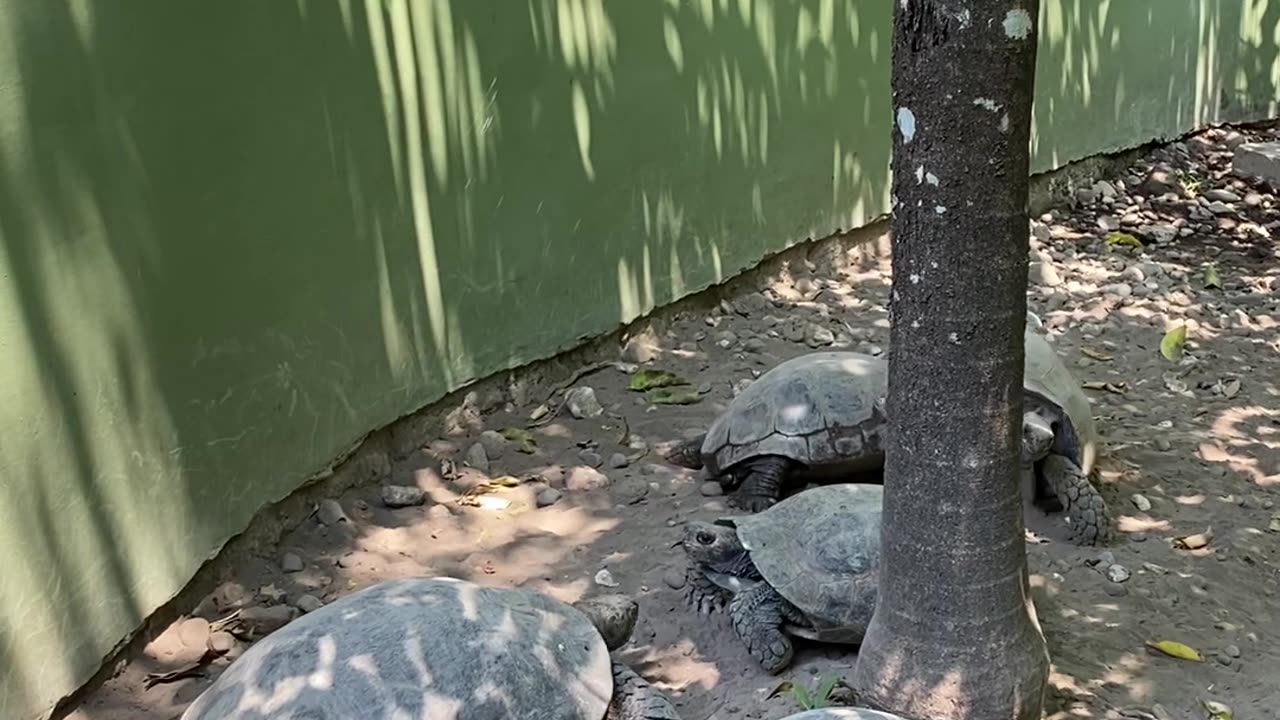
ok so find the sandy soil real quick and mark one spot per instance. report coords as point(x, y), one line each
point(1189, 447)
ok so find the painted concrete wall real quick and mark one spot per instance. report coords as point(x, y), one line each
point(236, 235)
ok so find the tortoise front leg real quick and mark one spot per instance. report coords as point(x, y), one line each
point(762, 487)
point(1084, 506)
point(635, 699)
point(757, 616)
point(704, 595)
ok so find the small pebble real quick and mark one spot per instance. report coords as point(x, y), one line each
point(674, 578)
point(618, 461)
point(439, 512)
point(477, 458)
point(582, 478)
point(494, 444)
point(400, 496)
point(711, 488)
point(1117, 573)
point(1116, 589)
point(308, 603)
point(590, 457)
point(1141, 502)
point(605, 579)
point(291, 563)
point(330, 512)
point(582, 402)
point(1232, 651)
point(1163, 444)
point(1223, 660)
point(549, 497)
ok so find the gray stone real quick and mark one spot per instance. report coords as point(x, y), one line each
point(1116, 589)
point(711, 488)
point(1260, 160)
point(1103, 188)
point(1141, 502)
point(794, 329)
point(549, 497)
point(590, 457)
point(1120, 289)
point(1085, 196)
point(477, 458)
point(330, 512)
point(1222, 195)
point(618, 461)
point(818, 336)
point(400, 496)
point(1159, 182)
point(1133, 273)
point(1109, 223)
point(1117, 573)
point(291, 563)
point(674, 578)
point(1232, 651)
point(308, 603)
point(1160, 234)
point(582, 403)
point(1218, 207)
point(642, 348)
point(1253, 199)
point(494, 444)
point(1043, 273)
point(439, 512)
point(581, 478)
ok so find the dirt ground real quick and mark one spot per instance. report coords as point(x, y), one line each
point(1190, 447)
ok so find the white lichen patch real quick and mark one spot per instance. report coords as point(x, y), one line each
point(915, 324)
point(915, 278)
point(931, 179)
point(907, 124)
point(1004, 123)
point(987, 103)
point(1017, 24)
point(954, 338)
point(939, 209)
point(919, 174)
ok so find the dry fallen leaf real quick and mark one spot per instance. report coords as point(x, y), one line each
point(1097, 355)
point(1229, 388)
point(1194, 542)
point(521, 438)
point(1177, 650)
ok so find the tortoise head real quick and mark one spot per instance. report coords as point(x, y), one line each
point(713, 545)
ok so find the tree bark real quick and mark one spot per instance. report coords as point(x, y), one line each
point(955, 633)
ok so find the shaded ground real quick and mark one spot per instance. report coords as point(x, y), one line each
point(1190, 447)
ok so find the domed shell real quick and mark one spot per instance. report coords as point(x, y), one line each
point(1046, 375)
point(421, 647)
point(817, 409)
point(820, 549)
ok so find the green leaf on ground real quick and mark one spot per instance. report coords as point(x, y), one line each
point(1172, 343)
point(1211, 277)
point(649, 378)
point(1124, 239)
point(521, 438)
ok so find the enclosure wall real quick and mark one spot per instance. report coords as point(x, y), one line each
point(237, 235)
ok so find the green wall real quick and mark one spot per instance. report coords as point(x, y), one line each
point(237, 235)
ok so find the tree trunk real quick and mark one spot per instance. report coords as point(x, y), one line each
point(955, 634)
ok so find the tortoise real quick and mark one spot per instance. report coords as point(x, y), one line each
point(1060, 441)
point(818, 415)
point(845, 713)
point(821, 416)
point(808, 567)
point(441, 647)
